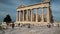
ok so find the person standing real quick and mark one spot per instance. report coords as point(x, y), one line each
point(13, 25)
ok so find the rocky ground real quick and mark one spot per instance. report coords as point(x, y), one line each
point(32, 30)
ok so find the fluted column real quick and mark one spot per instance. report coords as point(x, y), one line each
point(48, 16)
point(31, 15)
point(42, 14)
point(19, 15)
point(36, 15)
point(23, 15)
point(16, 16)
point(27, 15)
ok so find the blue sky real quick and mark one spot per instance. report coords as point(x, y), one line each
point(9, 7)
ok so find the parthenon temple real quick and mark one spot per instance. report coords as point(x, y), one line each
point(34, 14)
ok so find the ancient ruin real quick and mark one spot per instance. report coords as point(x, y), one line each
point(24, 14)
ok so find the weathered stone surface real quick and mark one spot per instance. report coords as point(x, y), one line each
point(33, 30)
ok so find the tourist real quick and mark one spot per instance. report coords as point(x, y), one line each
point(28, 25)
point(13, 25)
point(49, 26)
point(58, 25)
point(19, 25)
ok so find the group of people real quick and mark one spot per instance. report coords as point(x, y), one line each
point(49, 25)
point(13, 25)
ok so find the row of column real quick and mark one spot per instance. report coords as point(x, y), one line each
point(18, 15)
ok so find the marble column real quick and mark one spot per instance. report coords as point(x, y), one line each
point(26, 15)
point(31, 15)
point(42, 14)
point(19, 15)
point(36, 15)
point(48, 15)
point(23, 15)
